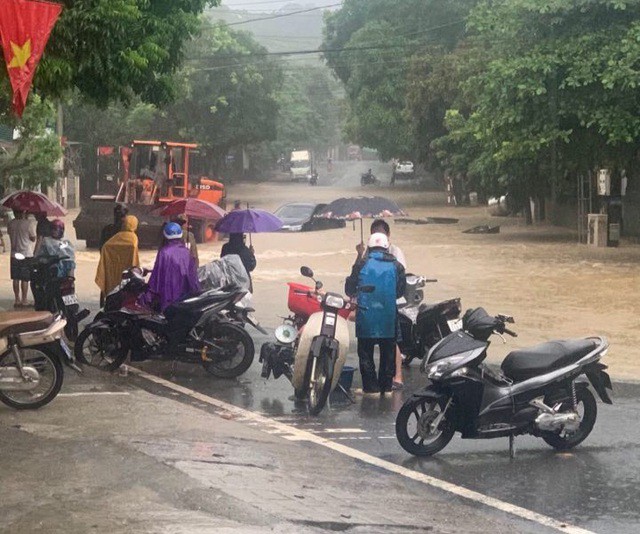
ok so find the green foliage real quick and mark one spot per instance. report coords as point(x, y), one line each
point(30, 162)
point(116, 49)
point(394, 44)
point(553, 92)
point(223, 101)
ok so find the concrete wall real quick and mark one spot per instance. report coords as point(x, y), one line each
point(567, 215)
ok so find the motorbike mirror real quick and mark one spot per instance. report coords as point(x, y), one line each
point(305, 271)
point(367, 289)
point(318, 285)
point(19, 256)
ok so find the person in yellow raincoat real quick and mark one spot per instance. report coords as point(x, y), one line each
point(118, 254)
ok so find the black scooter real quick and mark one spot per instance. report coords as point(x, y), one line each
point(203, 329)
point(538, 391)
point(423, 325)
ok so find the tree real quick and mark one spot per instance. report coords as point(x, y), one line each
point(117, 49)
point(373, 46)
point(30, 162)
point(555, 92)
point(227, 99)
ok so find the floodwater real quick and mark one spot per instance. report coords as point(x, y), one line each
point(554, 287)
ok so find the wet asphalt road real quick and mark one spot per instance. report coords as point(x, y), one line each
point(596, 486)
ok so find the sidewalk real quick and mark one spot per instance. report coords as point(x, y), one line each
point(108, 456)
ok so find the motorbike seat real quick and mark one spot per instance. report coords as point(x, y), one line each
point(13, 323)
point(199, 301)
point(526, 363)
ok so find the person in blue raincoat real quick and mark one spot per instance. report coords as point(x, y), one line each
point(376, 315)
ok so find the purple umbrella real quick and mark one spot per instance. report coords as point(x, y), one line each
point(249, 221)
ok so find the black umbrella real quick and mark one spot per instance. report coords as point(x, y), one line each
point(361, 208)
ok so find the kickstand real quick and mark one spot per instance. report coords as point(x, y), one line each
point(512, 446)
point(348, 395)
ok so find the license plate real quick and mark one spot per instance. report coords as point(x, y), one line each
point(455, 324)
point(70, 299)
point(65, 348)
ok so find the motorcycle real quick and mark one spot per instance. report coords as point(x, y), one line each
point(314, 178)
point(32, 352)
point(205, 329)
point(368, 178)
point(311, 345)
point(539, 390)
point(56, 294)
point(423, 325)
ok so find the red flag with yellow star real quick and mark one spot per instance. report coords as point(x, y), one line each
point(25, 26)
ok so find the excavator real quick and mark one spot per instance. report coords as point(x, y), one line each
point(154, 173)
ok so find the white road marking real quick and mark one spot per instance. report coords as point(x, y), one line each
point(295, 434)
point(342, 431)
point(93, 393)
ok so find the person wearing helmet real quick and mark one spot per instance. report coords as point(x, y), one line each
point(54, 245)
point(175, 274)
point(377, 280)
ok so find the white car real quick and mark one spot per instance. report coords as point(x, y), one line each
point(404, 168)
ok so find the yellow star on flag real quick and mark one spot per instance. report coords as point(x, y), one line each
point(21, 54)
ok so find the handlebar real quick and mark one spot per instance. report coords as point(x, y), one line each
point(510, 332)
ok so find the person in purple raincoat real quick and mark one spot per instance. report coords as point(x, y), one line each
point(174, 275)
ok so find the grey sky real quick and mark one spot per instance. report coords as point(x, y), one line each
point(272, 5)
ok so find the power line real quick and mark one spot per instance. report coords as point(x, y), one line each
point(281, 15)
point(332, 50)
point(263, 2)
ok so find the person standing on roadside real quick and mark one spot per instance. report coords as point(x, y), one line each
point(117, 255)
point(380, 225)
point(376, 320)
point(22, 234)
point(120, 211)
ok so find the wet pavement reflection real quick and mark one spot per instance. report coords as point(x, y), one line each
point(596, 486)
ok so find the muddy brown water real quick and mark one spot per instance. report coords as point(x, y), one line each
point(554, 287)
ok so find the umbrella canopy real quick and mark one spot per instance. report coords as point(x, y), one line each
point(361, 208)
point(249, 221)
point(33, 202)
point(193, 208)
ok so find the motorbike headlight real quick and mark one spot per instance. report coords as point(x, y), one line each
point(333, 301)
point(286, 334)
point(440, 368)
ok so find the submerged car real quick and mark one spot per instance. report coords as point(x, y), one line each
point(300, 217)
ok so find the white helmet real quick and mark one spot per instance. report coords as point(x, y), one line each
point(378, 240)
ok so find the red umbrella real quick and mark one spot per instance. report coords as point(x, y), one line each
point(33, 202)
point(192, 207)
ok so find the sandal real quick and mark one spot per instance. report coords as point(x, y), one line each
point(397, 386)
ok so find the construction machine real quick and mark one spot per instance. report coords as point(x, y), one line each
point(153, 174)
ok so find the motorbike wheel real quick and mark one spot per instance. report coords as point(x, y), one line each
point(320, 384)
point(412, 424)
point(101, 348)
point(49, 367)
point(232, 349)
point(587, 404)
